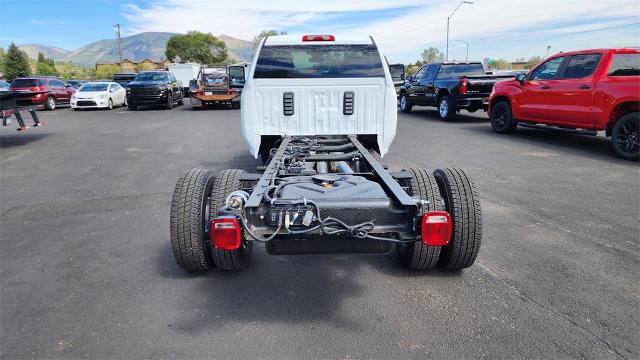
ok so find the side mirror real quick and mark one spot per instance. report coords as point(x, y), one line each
point(411, 78)
point(520, 78)
point(397, 74)
point(236, 76)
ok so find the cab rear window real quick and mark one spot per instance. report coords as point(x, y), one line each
point(625, 65)
point(318, 61)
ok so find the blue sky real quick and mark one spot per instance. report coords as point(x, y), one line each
point(493, 28)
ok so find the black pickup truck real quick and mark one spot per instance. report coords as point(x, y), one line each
point(450, 86)
point(154, 88)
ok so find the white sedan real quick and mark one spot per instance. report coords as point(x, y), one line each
point(103, 95)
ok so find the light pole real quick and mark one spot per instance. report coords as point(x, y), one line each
point(116, 27)
point(466, 58)
point(449, 17)
point(548, 47)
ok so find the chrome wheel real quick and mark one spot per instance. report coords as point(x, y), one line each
point(403, 102)
point(443, 108)
point(51, 103)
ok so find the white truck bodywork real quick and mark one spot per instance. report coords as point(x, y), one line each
point(318, 102)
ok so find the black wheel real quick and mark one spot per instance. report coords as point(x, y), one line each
point(405, 106)
point(50, 103)
point(446, 111)
point(181, 100)
point(502, 120)
point(418, 256)
point(169, 104)
point(132, 107)
point(462, 202)
point(110, 106)
point(189, 223)
point(625, 137)
point(226, 182)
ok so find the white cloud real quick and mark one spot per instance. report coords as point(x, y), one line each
point(483, 21)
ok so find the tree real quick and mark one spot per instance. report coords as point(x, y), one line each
point(432, 55)
point(16, 63)
point(45, 66)
point(500, 64)
point(106, 71)
point(263, 34)
point(533, 61)
point(2, 56)
point(198, 47)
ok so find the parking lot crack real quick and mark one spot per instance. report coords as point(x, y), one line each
point(547, 309)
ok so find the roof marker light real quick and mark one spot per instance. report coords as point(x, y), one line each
point(318, 38)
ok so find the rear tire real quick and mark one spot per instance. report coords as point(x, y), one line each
point(446, 111)
point(50, 103)
point(625, 137)
point(226, 182)
point(405, 106)
point(418, 256)
point(462, 202)
point(502, 120)
point(189, 220)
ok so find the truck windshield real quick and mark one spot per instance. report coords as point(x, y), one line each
point(459, 70)
point(319, 61)
point(151, 77)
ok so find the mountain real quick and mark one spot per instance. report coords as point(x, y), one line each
point(49, 51)
point(149, 45)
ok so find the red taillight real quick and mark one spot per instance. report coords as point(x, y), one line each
point(436, 228)
point(463, 86)
point(225, 233)
point(318, 38)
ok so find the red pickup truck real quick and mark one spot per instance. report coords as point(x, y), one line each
point(583, 91)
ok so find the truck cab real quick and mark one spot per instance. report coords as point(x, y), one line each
point(582, 91)
point(318, 85)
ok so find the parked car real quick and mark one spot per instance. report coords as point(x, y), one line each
point(584, 91)
point(57, 92)
point(76, 84)
point(154, 88)
point(100, 95)
point(124, 78)
point(450, 86)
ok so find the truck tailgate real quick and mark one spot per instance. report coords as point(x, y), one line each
point(484, 84)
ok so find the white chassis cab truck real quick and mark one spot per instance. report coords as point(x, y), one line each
point(318, 110)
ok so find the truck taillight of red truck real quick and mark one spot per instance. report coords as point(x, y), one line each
point(581, 91)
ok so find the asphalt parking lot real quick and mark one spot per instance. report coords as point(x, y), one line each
point(86, 268)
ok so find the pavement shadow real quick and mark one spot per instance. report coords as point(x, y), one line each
point(390, 265)
point(595, 147)
point(288, 289)
point(463, 117)
point(20, 139)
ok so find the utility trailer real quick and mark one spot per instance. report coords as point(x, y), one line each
point(217, 85)
point(323, 192)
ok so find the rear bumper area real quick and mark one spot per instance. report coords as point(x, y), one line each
point(480, 102)
point(327, 245)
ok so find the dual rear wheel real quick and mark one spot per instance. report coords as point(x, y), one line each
point(448, 190)
point(199, 194)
